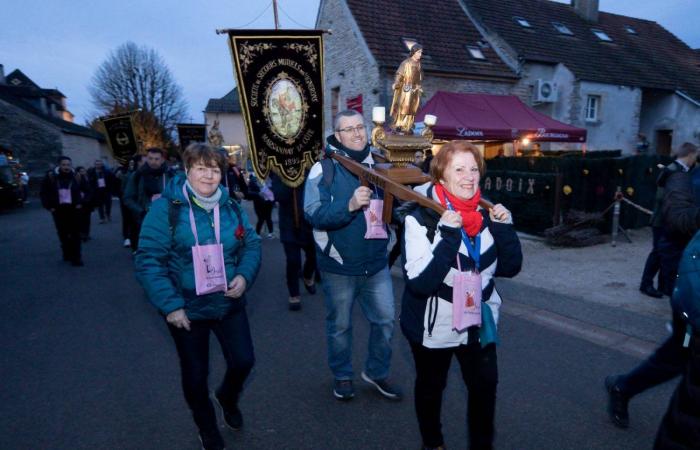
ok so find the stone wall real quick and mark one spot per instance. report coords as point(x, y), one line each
point(670, 111)
point(35, 142)
point(85, 150)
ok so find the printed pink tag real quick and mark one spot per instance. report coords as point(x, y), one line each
point(375, 223)
point(64, 197)
point(101, 183)
point(466, 300)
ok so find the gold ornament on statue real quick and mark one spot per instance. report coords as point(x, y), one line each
point(407, 91)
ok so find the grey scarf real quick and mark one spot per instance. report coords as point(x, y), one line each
point(207, 203)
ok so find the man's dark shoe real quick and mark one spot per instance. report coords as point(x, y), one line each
point(212, 440)
point(617, 403)
point(384, 388)
point(651, 292)
point(232, 415)
point(343, 390)
point(310, 286)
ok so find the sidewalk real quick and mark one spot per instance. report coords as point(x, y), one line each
point(601, 274)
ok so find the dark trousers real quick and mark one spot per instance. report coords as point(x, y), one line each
point(653, 264)
point(233, 334)
point(293, 253)
point(670, 251)
point(263, 210)
point(480, 374)
point(85, 218)
point(67, 221)
point(680, 427)
point(135, 230)
point(104, 204)
point(666, 363)
point(126, 221)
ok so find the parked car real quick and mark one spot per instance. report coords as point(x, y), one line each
point(11, 194)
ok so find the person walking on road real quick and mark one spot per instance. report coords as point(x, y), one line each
point(353, 268)
point(450, 306)
point(197, 257)
point(145, 186)
point(64, 193)
point(102, 184)
point(85, 214)
point(681, 219)
point(263, 203)
point(296, 236)
point(680, 427)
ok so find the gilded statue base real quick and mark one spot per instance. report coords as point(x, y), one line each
point(399, 152)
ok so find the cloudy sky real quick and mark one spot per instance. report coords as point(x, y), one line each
point(60, 43)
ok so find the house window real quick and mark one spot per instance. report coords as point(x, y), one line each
point(476, 52)
point(592, 108)
point(522, 22)
point(601, 35)
point(409, 42)
point(630, 30)
point(335, 100)
point(561, 28)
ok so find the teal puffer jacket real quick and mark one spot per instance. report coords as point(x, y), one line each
point(163, 260)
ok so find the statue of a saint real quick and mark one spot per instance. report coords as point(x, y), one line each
point(216, 139)
point(407, 91)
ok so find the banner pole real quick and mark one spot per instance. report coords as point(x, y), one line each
point(274, 9)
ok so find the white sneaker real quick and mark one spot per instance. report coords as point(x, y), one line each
point(127, 243)
point(270, 236)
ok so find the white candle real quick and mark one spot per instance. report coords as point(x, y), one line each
point(378, 114)
point(429, 120)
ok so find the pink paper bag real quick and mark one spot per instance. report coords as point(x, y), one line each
point(466, 300)
point(375, 223)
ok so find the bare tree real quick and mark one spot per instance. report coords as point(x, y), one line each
point(134, 77)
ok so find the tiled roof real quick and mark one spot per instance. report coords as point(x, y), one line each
point(15, 95)
point(441, 27)
point(651, 57)
point(229, 103)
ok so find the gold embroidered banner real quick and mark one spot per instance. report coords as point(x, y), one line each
point(191, 132)
point(280, 85)
point(120, 136)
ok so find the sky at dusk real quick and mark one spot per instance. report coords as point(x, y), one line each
point(60, 43)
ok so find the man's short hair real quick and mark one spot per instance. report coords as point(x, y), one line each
point(686, 149)
point(63, 158)
point(346, 113)
point(156, 150)
point(415, 48)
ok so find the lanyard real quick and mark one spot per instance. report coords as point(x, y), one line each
point(473, 250)
point(217, 227)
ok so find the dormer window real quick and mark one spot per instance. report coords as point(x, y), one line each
point(409, 42)
point(475, 52)
point(522, 22)
point(563, 29)
point(601, 35)
point(630, 30)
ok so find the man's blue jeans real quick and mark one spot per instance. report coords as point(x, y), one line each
point(375, 295)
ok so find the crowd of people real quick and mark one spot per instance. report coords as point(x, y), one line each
point(197, 254)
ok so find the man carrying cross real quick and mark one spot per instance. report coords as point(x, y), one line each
point(352, 267)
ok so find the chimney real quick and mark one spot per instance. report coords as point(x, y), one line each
point(588, 9)
point(2, 74)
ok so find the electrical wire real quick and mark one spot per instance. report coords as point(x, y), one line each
point(290, 18)
point(254, 20)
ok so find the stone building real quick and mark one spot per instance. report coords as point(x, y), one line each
point(614, 75)
point(227, 111)
point(36, 127)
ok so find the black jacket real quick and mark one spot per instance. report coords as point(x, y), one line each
point(53, 181)
point(110, 188)
point(681, 215)
point(289, 232)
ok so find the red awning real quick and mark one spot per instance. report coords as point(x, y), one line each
point(483, 117)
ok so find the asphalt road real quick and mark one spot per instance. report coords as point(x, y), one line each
point(86, 362)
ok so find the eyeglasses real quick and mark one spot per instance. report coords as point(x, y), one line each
point(349, 130)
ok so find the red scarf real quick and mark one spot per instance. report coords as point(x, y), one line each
point(471, 218)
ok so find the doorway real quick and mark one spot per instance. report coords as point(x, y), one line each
point(663, 142)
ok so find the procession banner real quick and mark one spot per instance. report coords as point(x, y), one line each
point(280, 85)
point(191, 132)
point(120, 136)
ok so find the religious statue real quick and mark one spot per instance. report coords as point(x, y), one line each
point(216, 139)
point(407, 91)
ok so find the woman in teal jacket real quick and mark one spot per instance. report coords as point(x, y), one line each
point(165, 269)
